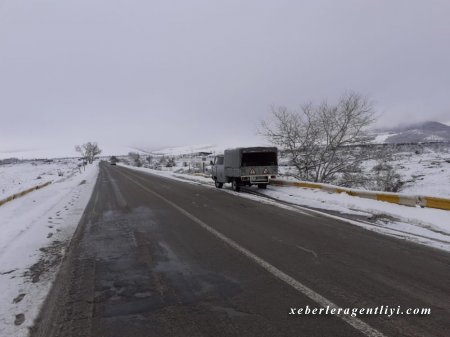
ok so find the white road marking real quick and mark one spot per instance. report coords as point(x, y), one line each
point(316, 297)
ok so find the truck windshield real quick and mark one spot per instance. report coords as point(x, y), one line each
point(259, 159)
point(219, 160)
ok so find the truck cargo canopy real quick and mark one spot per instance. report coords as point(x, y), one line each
point(259, 159)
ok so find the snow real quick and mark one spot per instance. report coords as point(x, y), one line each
point(434, 223)
point(36, 229)
point(425, 170)
point(20, 176)
point(381, 138)
point(421, 225)
point(426, 173)
point(119, 150)
point(181, 150)
point(213, 148)
point(434, 138)
point(61, 152)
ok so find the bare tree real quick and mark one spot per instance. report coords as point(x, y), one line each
point(88, 151)
point(136, 157)
point(324, 142)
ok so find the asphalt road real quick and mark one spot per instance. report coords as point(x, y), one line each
point(158, 257)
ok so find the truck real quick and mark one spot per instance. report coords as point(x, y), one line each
point(245, 166)
point(113, 160)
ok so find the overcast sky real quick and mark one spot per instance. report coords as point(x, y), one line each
point(160, 73)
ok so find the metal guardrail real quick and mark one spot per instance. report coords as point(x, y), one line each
point(22, 193)
point(396, 198)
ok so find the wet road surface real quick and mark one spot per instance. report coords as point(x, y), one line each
point(158, 257)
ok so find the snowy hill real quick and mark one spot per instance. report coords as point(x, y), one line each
point(417, 133)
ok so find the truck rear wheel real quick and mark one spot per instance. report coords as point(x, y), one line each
point(263, 186)
point(218, 185)
point(235, 185)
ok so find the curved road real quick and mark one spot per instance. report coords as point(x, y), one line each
point(159, 257)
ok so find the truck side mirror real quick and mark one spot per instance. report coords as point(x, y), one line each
point(211, 162)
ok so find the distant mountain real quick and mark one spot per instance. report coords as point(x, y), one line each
point(417, 133)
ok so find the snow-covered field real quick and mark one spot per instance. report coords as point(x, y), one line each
point(422, 225)
point(425, 173)
point(20, 176)
point(35, 231)
point(59, 151)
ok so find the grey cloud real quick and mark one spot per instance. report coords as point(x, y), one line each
point(156, 73)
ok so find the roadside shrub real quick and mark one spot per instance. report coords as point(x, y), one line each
point(386, 178)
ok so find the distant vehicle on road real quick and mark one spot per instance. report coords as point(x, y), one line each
point(113, 160)
point(245, 166)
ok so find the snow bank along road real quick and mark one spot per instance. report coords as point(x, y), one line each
point(34, 232)
point(159, 257)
